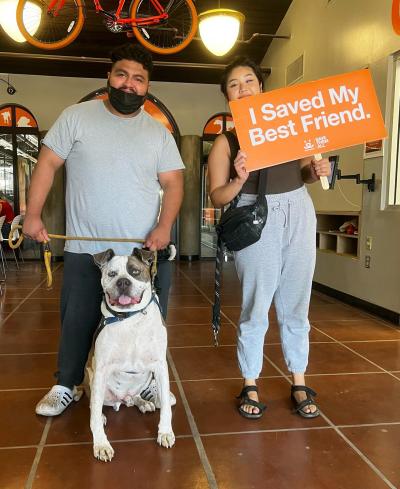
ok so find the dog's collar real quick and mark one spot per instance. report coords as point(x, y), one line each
point(120, 316)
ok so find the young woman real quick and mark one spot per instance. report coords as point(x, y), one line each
point(280, 266)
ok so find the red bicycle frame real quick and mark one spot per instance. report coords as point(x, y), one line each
point(56, 5)
point(162, 15)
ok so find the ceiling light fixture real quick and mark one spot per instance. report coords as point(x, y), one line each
point(219, 29)
point(8, 20)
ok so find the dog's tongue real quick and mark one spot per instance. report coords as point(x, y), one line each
point(124, 300)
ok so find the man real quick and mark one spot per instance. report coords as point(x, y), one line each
point(117, 158)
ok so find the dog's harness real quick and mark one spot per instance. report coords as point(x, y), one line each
point(120, 316)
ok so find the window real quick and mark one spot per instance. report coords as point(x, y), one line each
point(19, 146)
point(391, 174)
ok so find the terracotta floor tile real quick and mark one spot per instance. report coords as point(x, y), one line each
point(314, 459)
point(386, 354)
point(210, 363)
point(28, 341)
point(200, 335)
point(196, 300)
point(318, 299)
point(334, 311)
point(179, 289)
point(32, 321)
point(15, 467)
point(214, 406)
point(26, 427)
point(25, 371)
point(325, 358)
point(190, 315)
point(44, 305)
point(358, 399)
point(381, 444)
point(233, 313)
point(231, 300)
point(16, 292)
point(141, 464)
point(360, 329)
point(273, 335)
point(44, 293)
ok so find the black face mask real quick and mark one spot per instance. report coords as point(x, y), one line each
point(124, 102)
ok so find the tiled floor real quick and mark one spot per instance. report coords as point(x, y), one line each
point(354, 367)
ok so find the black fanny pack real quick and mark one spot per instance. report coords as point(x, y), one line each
point(240, 227)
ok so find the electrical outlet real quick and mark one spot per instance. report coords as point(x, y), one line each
point(368, 243)
point(367, 261)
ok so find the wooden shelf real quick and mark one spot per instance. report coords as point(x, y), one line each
point(331, 240)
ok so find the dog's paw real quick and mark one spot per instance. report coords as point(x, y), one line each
point(103, 451)
point(166, 440)
point(104, 418)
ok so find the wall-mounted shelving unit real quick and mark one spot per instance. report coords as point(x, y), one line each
point(331, 240)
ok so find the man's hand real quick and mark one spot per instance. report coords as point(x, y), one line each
point(33, 228)
point(158, 239)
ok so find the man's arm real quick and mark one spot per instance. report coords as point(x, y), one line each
point(42, 180)
point(172, 184)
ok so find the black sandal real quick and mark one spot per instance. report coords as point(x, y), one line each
point(245, 399)
point(299, 406)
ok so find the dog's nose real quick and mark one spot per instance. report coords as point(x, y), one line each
point(123, 283)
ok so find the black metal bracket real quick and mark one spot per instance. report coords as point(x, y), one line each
point(370, 182)
point(10, 88)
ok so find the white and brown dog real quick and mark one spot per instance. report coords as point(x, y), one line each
point(129, 364)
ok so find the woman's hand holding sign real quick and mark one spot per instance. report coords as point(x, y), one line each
point(322, 169)
point(240, 167)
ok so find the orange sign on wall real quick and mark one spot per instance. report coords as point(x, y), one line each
point(309, 118)
point(24, 118)
point(6, 117)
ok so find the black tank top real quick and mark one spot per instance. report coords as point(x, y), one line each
point(280, 178)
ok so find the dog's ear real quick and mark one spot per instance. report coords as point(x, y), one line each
point(104, 257)
point(146, 256)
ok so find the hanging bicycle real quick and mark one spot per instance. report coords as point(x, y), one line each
point(162, 26)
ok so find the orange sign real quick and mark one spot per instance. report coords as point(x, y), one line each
point(5, 117)
point(24, 118)
point(309, 118)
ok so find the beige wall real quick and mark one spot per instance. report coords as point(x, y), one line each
point(336, 37)
point(47, 96)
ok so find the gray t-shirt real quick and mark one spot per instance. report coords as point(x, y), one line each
point(112, 166)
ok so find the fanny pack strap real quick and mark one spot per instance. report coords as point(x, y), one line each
point(219, 259)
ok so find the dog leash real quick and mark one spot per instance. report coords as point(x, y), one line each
point(47, 250)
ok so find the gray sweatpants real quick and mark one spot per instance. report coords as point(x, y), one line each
point(279, 267)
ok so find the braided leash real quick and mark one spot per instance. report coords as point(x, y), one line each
point(47, 250)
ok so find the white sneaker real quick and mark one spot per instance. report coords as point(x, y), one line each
point(151, 394)
point(57, 400)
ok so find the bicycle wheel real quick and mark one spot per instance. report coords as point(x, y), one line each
point(170, 36)
point(50, 29)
